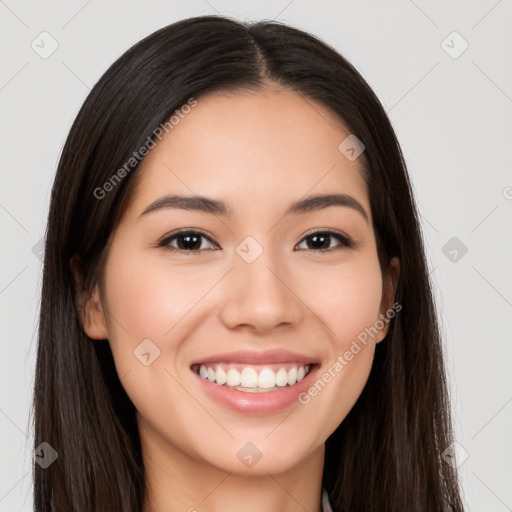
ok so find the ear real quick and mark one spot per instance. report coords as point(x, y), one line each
point(90, 308)
point(387, 311)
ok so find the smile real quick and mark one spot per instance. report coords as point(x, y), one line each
point(253, 378)
point(253, 382)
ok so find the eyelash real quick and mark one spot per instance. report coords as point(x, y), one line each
point(345, 242)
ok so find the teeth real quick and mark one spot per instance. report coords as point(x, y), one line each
point(220, 376)
point(250, 380)
point(255, 390)
point(266, 379)
point(233, 377)
point(292, 376)
point(281, 377)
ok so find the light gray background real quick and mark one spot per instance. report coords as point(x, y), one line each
point(452, 117)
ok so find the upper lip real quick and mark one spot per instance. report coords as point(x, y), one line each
point(257, 357)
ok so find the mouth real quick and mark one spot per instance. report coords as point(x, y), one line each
point(255, 382)
point(253, 378)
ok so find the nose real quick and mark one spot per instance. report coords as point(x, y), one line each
point(260, 296)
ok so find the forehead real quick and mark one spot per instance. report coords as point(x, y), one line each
point(252, 148)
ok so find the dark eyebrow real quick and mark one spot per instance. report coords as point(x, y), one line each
point(216, 207)
point(319, 202)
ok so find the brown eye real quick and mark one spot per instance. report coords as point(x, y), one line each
point(186, 241)
point(322, 241)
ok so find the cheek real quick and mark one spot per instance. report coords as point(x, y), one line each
point(345, 297)
point(347, 300)
point(151, 299)
point(148, 298)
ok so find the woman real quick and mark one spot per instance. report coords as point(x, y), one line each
point(236, 312)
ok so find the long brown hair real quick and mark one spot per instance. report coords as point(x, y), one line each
point(386, 454)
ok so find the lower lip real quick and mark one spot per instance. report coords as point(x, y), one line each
point(261, 402)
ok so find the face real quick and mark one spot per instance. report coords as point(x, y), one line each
point(249, 327)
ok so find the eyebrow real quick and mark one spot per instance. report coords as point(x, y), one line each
point(216, 207)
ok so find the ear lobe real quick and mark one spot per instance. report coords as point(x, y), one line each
point(89, 306)
point(388, 295)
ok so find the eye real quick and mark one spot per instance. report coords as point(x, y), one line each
point(320, 241)
point(191, 241)
point(187, 240)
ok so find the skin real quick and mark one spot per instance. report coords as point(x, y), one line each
point(259, 152)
